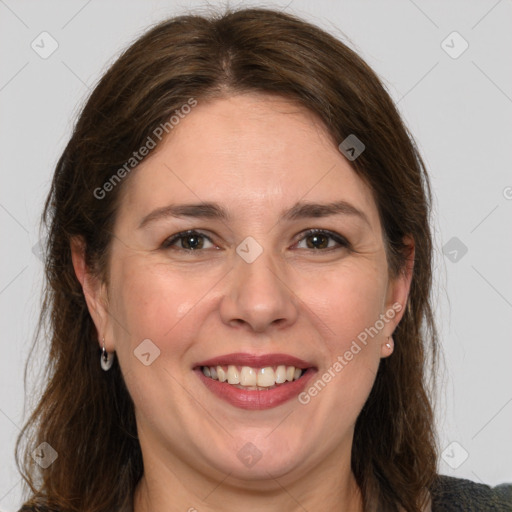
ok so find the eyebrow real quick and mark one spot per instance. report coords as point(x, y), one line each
point(300, 210)
point(199, 210)
point(304, 210)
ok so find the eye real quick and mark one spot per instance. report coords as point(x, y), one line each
point(321, 239)
point(188, 241)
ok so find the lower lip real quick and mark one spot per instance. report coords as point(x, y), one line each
point(254, 399)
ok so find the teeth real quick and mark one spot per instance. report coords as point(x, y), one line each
point(248, 376)
point(266, 377)
point(281, 374)
point(233, 375)
point(221, 374)
point(253, 378)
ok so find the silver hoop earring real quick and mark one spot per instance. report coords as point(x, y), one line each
point(106, 358)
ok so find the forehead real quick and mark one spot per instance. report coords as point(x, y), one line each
point(254, 152)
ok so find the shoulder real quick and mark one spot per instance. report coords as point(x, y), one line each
point(454, 494)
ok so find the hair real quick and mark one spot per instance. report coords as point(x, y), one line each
point(86, 414)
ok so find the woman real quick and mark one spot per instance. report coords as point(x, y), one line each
point(239, 273)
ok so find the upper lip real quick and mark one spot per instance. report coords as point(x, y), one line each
point(256, 361)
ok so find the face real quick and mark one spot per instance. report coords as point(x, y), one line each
point(247, 244)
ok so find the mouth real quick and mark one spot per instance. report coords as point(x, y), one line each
point(253, 379)
point(255, 382)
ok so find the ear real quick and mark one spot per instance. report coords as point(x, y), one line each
point(95, 293)
point(397, 296)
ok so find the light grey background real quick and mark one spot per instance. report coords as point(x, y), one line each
point(459, 110)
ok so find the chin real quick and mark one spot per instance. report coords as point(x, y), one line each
point(260, 459)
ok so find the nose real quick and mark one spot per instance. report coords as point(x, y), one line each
point(257, 296)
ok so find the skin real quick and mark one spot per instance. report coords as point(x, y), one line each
point(255, 155)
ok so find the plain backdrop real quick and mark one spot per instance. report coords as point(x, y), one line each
point(446, 64)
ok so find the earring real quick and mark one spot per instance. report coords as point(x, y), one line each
point(106, 359)
point(388, 345)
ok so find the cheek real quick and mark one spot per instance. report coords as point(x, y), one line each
point(347, 300)
point(347, 304)
point(153, 301)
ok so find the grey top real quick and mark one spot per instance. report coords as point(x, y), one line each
point(458, 495)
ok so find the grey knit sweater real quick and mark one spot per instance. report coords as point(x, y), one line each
point(459, 495)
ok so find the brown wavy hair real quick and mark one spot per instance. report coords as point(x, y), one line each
point(86, 414)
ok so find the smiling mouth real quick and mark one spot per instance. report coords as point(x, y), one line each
point(253, 379)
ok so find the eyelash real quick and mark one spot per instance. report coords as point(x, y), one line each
point(341, 241)
point(172, 239)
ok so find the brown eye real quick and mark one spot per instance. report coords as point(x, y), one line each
point(188, 241)
point(321, 239)
point(192, 242)
point(317, 241)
